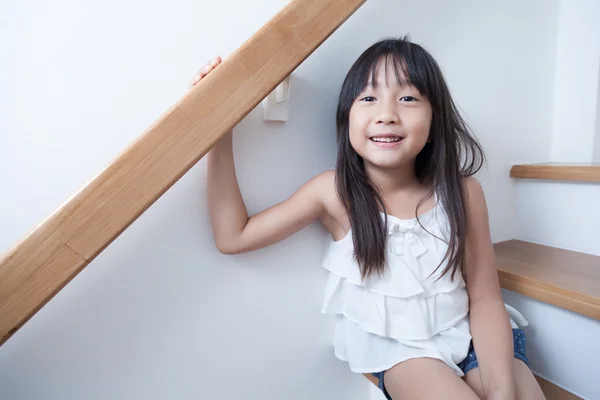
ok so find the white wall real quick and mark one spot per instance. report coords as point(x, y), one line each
point(559, 214)
point(597, 138)
point(160, 314)
point(577, 81)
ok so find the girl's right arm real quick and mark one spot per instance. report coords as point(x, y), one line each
point(234, 231)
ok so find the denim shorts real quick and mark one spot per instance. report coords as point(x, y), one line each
point(470, 362)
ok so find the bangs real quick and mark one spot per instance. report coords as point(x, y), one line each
point(386, 61)
point(409, 67)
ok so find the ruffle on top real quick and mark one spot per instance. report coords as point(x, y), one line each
point(407, 302)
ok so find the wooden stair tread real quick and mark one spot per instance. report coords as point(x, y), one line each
point(587, 172)
point(564, 278)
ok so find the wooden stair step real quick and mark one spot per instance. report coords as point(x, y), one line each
point(589, 172)
point(564, 278)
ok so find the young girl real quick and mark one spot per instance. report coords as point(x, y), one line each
point(412, 281)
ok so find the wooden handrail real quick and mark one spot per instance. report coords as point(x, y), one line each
point(53, 253)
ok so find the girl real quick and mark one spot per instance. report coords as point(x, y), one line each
point(411, 263)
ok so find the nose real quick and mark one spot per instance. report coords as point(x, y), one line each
point(387, 114)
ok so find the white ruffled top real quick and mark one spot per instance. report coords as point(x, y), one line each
point(407, 312)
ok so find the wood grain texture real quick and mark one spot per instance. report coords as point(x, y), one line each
point(38, 266)
point(564, 278)
point(558, 171)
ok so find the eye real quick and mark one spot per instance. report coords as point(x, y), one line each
point(368, 99)
point(408, 98)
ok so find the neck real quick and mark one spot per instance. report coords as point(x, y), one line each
point(393, 179)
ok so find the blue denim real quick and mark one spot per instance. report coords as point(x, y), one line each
point(469, 363)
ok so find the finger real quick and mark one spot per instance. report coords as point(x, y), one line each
point(215, 61)
point(205, 70)
point(196, 79)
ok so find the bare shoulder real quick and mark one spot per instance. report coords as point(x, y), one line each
point(316, 188)
point(325, 180)
point(475, 196)
point(316, 191)
point(472, 184)
point(325, 183)
point(476, 206)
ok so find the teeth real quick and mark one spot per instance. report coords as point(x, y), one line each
point(385, 140)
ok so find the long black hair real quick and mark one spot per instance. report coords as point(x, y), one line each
point(450, 155)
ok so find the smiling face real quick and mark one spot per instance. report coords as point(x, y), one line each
point(390, 120)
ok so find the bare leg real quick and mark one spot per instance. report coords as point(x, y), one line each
point(473, 379)
point(527, 387)
point(424, 379)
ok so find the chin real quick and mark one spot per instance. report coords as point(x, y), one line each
point(387, 163)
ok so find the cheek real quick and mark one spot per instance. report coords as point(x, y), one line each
point(356, 125)
point(421, 126)
point(355, 141)
point(424, 127)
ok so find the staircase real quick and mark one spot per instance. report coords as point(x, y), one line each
point(551, 272)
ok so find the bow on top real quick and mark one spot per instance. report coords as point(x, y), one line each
point(401, 236)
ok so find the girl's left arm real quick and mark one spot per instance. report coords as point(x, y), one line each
point(490, 323)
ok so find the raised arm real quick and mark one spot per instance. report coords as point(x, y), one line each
point(236, 232)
